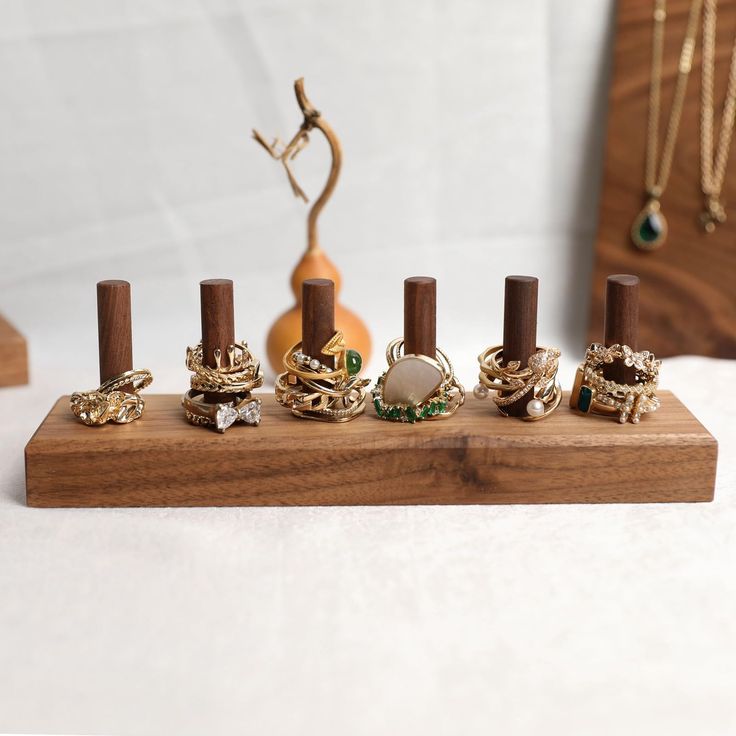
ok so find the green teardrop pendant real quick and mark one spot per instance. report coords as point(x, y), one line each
point(649, 230)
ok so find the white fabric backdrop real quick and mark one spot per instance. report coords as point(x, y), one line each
point(471, 131)
point(472, 135)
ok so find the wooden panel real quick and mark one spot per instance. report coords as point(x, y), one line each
point(13, 356)
point(477, 457)
point(688, 287)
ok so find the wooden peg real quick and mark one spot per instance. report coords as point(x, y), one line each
point(621, 325)
point(318, 318)
point(520, 328)
point(420, 316)
point(115, 335)
point(218, 326)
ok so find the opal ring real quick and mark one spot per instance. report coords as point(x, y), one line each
point(512, 383)
point(312, 390)
point(109, 403)
point(243, 408)
point(593, 393)
point(416, 387)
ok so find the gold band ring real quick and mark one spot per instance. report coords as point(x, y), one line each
point(108, 403)
point(239, 373)
point(312, 390)
point(512, 383)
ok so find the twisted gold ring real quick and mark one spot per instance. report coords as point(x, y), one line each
point(311, 390)
point(239, 373)
point(511, 382)
point(108, 403)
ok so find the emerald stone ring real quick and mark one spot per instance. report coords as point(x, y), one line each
point(510, 382)
point(313, 390)
point(593, 393)
point(416, 387)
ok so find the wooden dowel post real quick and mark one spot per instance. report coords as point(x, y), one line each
point(520, 328)
point(218, 326)
point(420, 316)
point(318, 318)
point(115, 334)
point(621, 324)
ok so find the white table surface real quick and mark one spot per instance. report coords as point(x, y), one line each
point(432, 620)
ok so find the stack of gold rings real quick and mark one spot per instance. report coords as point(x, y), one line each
point(416, 387)
point(234, 378)
point(592, 393)
point(512, 383)
point(313, 390)
point(109, 403)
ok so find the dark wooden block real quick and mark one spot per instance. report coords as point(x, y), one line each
point(13, 356)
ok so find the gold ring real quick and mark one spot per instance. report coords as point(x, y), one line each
point(239, 373)
point(108, 403)
point(593, 393)
point(243, 408)
point(138, 379)
point(312, 390)
point(416, 387)
point(511, 382)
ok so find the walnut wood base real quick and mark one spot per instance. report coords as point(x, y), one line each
point(13, 356)
point(476, 457)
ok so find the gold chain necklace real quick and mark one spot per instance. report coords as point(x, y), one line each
point(649, 229)
point(712, 172)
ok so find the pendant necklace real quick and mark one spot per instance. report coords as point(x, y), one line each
point(712, 171)
point(649, 229)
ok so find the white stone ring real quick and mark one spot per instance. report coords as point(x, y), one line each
point(416, 387)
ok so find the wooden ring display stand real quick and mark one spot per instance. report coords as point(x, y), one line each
point(114, 329)
point(318, 318)
point(520, 328)
point(420, 316)
point(621, 323)
point(218, 326)
point(477, 457)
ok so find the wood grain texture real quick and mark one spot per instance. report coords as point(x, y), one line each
point(477, 457)
point(520, 328)
point(420, 316)
point(318, 318)
point(13, 356)
point(217, 311)
point(688, 292)
point(621, 322)
point(114, 329)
